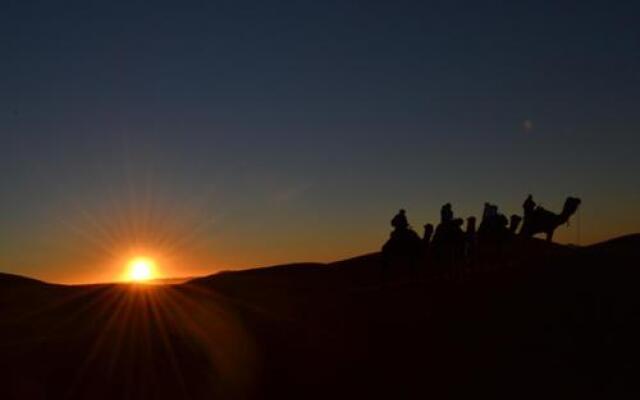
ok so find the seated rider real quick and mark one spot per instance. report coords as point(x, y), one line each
point(490, 212)
point(529, 205)
point(446, 213)
point(428, 232)
point(399, 222)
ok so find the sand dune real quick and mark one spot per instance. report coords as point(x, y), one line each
point(550, 321)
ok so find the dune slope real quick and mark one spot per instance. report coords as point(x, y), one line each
point(550, 321)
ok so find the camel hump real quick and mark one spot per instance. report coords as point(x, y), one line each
point(543, 211)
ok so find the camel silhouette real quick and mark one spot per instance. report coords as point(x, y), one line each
point(540, 220)
point(404, 247)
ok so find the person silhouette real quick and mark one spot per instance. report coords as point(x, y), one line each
point(446, 213)
point(490, 212)
point(404, 247)
point(428, 232)
point(399, 222)
point(471, 226)
point(470, 238)
point(528, 206)
point(486, 211)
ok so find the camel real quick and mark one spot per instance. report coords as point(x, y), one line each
point(539, 220)
point(404, 247)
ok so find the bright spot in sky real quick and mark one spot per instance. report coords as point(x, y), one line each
point(141, 269)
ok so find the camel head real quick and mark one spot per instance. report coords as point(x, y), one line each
point(570, 207)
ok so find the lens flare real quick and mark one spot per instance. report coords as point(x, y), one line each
point(141, 269)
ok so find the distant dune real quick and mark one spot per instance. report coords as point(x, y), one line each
point(10, 279)
point(548, 321)
point(172, 281)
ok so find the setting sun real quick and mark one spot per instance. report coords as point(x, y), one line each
point(141, 269)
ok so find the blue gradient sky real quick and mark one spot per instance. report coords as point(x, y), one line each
point(218, 135)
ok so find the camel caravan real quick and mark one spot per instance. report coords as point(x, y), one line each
point(450, 244)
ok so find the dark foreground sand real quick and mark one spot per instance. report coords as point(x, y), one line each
point(543, 322)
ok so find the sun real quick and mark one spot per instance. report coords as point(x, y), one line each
point(141, 269)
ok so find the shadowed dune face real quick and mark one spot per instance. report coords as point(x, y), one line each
point(554, 321)
point(119, 341)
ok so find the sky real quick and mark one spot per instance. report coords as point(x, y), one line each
point(220, 135)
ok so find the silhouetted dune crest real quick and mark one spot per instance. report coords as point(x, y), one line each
point(557, 320)
point(358, 264)
point(625, 247)
point(292, 268)
point(627, 241)
point(12, 279)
